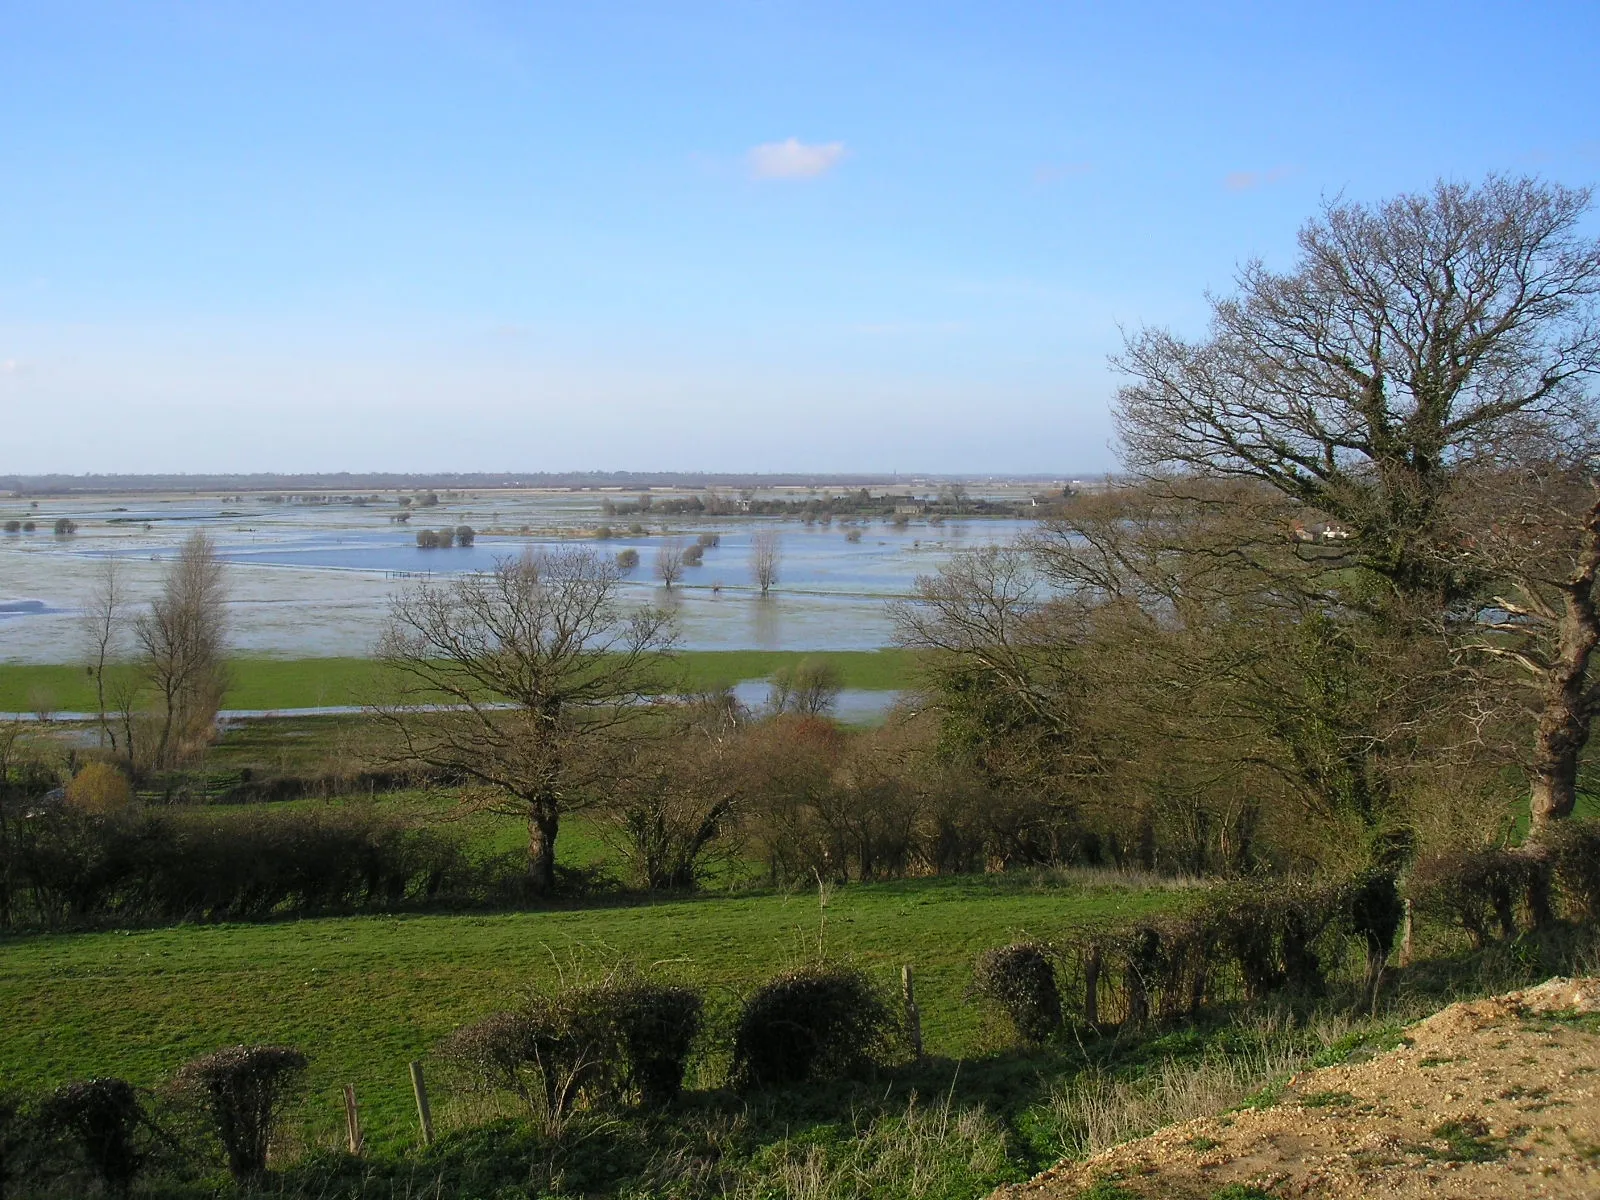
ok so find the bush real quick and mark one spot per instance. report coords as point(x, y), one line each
point(603, 532)
point(854, 535)
point(244, 1089)
point(13, 526)
point(1482, 888)
point(814, 1022)
point(99, 788)
point(65, 527)
point(707, 540)
point(1021, 981)
point(465, 535)
point(447, 538)
point(498, 1053)
point(604, 1040)
point(427, 539)
point(10, 1114)
point(29, 526)
point(547, 1053)
point(155, 866)
point(1375, 910)
point(656, 1026)
point(1574, 851)
point(105, 1119)
point(694, 555)
point(628, 559)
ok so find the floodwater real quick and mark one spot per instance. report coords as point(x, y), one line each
point(314, 580)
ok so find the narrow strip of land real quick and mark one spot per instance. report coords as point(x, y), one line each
point(260, 684)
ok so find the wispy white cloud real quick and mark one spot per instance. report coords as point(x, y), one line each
point(1244, 181)
point(794, 159)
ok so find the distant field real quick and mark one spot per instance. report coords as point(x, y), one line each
point(312, 682)
point(364, 995)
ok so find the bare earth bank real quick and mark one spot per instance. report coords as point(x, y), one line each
point(1492, 1098)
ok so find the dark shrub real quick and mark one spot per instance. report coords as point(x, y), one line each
point(814, 1022)
point(465, 535)
point(65, 527)
point(1375, 910)
point(628, 559)
point(694, 554)
point(655, 1025)
point(10, 1121)
point(1480, 889)
point(427, 539)
point(603, 1040)
point(1574, 851)
point(708, 540)
point(499, 1053)
point(73, 867)
point(244, 1088)
point(548, 1053)
point(105, 1119)
point(1021, 981)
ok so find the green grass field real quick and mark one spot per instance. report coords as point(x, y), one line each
point(311, 682)
point(364, 995)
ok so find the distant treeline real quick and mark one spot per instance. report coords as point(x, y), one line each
point(952, 498)
point(345, 481)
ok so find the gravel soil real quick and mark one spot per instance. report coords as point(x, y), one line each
point(1491, 1098)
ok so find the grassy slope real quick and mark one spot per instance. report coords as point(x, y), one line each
point(302, 683)
point(364, 995)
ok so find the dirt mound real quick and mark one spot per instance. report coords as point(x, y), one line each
point(1493, 1098)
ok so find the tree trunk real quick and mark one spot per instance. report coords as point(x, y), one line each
point(542, 828)
point(1565, 717)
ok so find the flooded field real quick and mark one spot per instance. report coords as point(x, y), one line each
point(311, 580)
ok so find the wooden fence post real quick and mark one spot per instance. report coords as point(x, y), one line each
point(913, 1018)
point(420, 1087)
point(352, 1120)
point(1405, 936)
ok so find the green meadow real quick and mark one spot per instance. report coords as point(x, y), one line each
point(263, 683)
point(365, 995)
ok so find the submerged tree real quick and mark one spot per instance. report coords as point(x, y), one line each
point(516, 680)
point(669, 561)
point(766, 552)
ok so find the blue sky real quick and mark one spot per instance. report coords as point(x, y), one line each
point(742, 236)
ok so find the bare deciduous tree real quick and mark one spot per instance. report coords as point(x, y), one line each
point(766, 552)
point(669, 561)
point(810, 688)
point(674, 800)
point(1409, 333)
point(180, 639)
point(524, 681)
point(102, 625)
